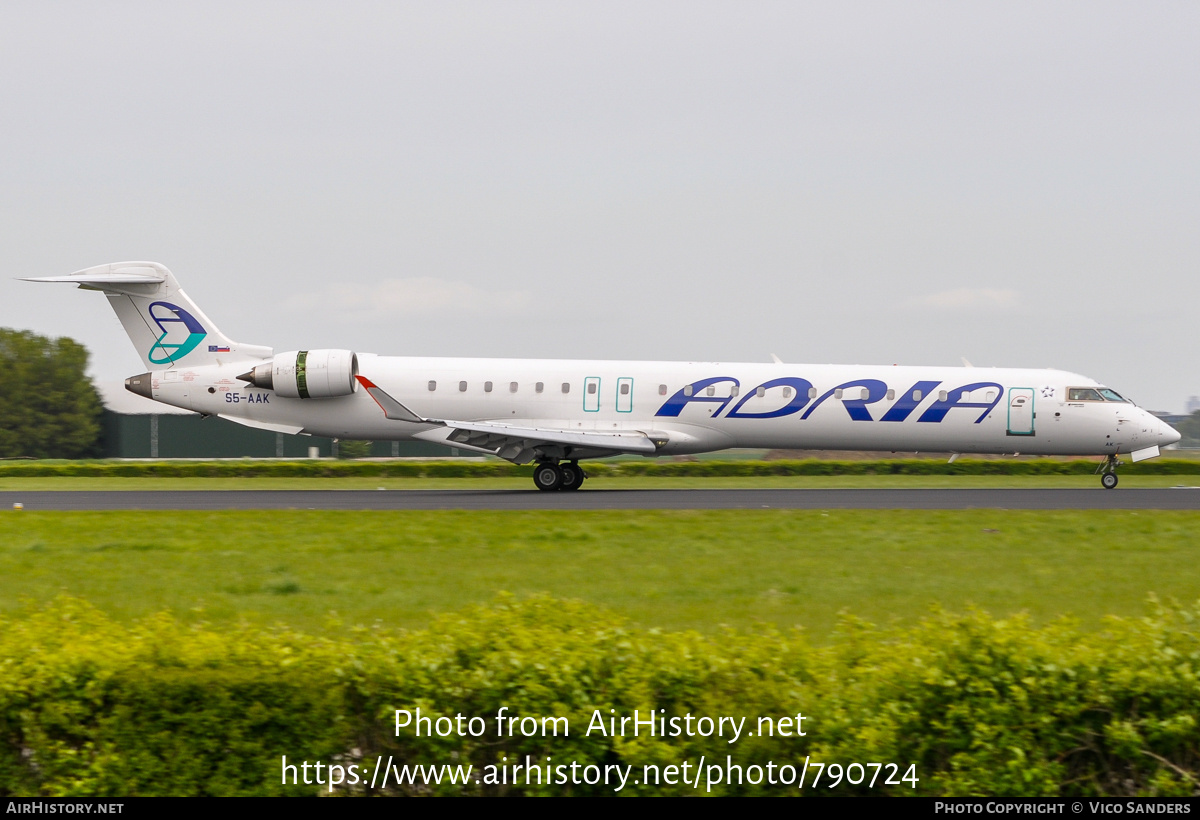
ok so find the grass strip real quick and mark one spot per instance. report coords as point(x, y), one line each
point(670, 569)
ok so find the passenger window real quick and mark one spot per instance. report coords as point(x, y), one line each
point(989, 396)
point(760, 392)
point(566, 387)
point(625, 389)
point(537, 388)
point(733, 391)
point(487, 387)
point(591, 388)
point(662, 390)
point(687, 390)
point(432, 386)
point(837, 394)
point(512, 387)
point(787, 392)
point(864, 394)
point(712, 390)
point(942, 395)
point(891, 394)
point(812, 393)
point(916, 395)
point(462, 387)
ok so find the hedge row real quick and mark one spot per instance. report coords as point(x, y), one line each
point(978, 706)
point(488, 469)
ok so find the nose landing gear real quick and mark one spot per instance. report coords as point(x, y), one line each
point(549, 475)
point(1108, 470)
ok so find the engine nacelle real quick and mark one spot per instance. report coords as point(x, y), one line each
point(307, 374)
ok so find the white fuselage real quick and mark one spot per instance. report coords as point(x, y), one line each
point(695, 407)
point(552, 411)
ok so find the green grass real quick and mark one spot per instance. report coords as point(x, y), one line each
point(321, 571)
point(598, 483)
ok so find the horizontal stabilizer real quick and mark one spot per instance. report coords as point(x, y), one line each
point(113, 278)
point(99, 281)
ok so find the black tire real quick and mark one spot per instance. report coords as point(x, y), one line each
point(1109, 480)
point(572, 476)
point(547, 476)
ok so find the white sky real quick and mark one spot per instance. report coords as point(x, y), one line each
point(1016, 183)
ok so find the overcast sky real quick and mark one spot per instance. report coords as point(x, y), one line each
point(1014, 183)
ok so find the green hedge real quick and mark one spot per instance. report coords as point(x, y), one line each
point(650, 467)
point(980, 706)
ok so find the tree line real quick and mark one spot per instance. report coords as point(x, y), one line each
point(49, 408)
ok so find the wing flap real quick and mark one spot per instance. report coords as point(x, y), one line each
point(496, 434)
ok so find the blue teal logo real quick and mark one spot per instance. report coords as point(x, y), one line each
point(180, 333)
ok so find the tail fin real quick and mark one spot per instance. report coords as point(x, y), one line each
point(165, 326)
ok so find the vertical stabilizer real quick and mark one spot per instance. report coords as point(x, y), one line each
point(165, 326)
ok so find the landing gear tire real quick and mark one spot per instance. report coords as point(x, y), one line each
point(572, 475)
point(548, 476)
point(1108, 470)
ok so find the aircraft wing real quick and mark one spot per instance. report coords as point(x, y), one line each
point(509, 441)
point(494, 436)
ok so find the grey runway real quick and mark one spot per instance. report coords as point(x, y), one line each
point(1181, 498)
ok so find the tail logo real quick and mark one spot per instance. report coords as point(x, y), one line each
point(180, 333)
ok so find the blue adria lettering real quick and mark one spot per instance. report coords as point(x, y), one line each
point(908, 402)
point(698, 391)
point(796, 394)
point(954, 398)
point(801, 386)
point(856, 407)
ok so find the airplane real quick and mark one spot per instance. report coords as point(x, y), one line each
point(557, 413)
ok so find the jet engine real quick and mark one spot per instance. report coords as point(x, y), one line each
point(307, 374)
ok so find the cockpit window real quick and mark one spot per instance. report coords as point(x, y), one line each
point(1094, 394)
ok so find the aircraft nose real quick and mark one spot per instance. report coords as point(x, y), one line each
point(1167, 435)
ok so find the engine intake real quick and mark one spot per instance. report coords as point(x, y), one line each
point(307, 374)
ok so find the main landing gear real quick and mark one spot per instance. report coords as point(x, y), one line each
point(550, 475)
point(1108, 470)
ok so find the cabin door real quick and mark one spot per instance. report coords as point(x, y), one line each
point(1020, 411)
point(591, 394)
point(624, 395)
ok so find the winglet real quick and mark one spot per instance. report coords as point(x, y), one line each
point(391, 408)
